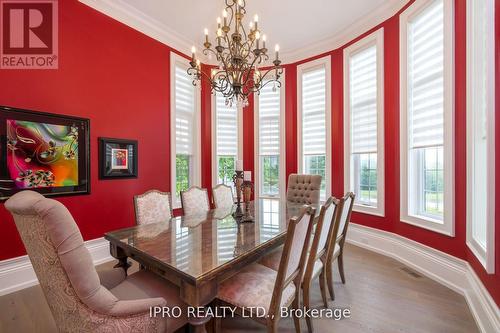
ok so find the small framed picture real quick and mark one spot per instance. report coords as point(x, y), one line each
point(117, 158)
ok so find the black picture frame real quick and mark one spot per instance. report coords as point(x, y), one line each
point(33, 148)
point(118, 158)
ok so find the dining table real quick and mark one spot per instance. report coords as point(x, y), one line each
point(198, 252)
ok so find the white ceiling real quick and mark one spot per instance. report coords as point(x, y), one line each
point(301, 27)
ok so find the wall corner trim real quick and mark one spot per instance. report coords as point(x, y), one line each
point(449, 271)
point(17, 273)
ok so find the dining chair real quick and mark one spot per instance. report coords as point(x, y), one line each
point(303, 189)
point(223, 196)
point(195, 201)
point(325, 231)
point(153, 206)
point(80, 298)
point(261, 287)
point(336, 250)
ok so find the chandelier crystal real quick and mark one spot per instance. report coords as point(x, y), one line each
point(239, 54)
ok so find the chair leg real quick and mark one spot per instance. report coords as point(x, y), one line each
point(272, 326)
point(341, 266)
point(296, 319)
point(322, 285)
point(329, 280)
point(306, 287)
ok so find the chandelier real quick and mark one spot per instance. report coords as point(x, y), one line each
point(239, 55)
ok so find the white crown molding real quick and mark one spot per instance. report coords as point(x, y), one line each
point(370, 21)
point(134, 18)
point(17, 273)
point(449, 271)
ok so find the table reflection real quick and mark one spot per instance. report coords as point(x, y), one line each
point(196, 245)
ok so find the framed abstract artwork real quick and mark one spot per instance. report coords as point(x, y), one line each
point(44, 152)
point(117, 158)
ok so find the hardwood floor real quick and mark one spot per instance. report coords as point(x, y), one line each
point(383, 295)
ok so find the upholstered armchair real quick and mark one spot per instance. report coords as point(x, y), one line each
point(223, 196)
point(80, 299)
point(303, 189)
point(195, 201)
point(153, 206)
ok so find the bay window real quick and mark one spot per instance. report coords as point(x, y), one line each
point(427, 157)
point(481, 131)
point(185, 119)
point(269, 135)
point(314, 107)
point(364, 123)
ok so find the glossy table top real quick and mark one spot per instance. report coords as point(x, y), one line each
point(197, 246)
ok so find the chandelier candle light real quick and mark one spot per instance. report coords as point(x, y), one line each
point(239, 54)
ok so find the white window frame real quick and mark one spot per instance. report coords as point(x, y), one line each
point(447, 226)
point(282, 158)
point(301, 69)
point(176, 60)
point(376, 38)
point(239, 110)
point(485, 256)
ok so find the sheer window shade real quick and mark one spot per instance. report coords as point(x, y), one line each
point(227, 127)
point(314, 112)
point(269, 121)
point(426, 73)
point(185, 112)
point(363, 99)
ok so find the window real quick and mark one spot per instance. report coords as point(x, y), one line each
point(314, 138)
point(481, 131)
point(269, 134)
point(226, 140)
point(185, 126)
point(427, 158)
point(364, 123)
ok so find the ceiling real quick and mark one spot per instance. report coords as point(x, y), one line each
point(302, 28)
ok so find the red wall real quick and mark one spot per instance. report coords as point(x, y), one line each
point(117, 77)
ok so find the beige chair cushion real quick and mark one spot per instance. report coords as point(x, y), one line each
point(253, 287)
point(145, 284)
point(303, 189)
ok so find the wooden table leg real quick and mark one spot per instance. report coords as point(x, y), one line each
point(198, 325)
point(119, 254)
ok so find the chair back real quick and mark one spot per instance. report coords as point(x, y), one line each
point(61, 262)
point(195, 201)
point(345, 217)
point(326, 228)
point(294, 254)
point(303, 189)
point(223, 196)
point(153, 206)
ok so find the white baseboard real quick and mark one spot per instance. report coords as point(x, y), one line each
point(450, 271)
point(17, 273)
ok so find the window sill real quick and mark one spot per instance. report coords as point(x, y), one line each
point(430, 224)
point(368, 210)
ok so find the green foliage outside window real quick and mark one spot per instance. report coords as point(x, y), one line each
point(316, 165)
point(368, 178)
point(226, 169)
point(270, 175)
point(182, 171)
point(433, 186)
